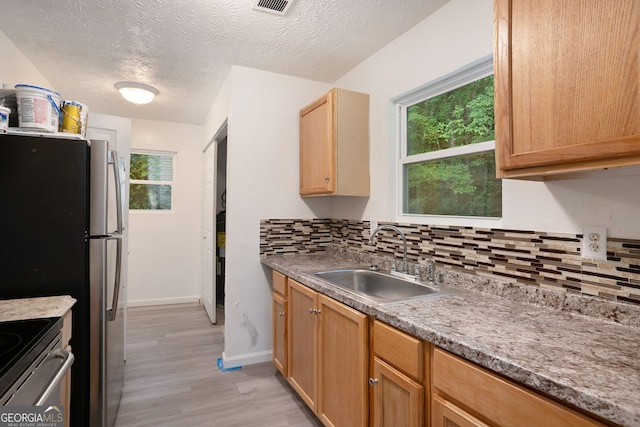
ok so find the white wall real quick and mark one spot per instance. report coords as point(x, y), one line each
point(165, 260)
point(457, 34)
point(262, 182)
point(16, 69)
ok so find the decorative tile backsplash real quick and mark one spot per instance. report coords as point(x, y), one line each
point(546, 260)
point(304, 236)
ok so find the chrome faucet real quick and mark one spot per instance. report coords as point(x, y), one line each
point(405, 267)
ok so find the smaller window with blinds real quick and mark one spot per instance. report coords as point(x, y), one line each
point(151, 181)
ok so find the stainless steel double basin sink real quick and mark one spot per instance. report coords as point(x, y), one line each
point(382, 288)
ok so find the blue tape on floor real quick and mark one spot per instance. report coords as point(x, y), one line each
point(223, 369)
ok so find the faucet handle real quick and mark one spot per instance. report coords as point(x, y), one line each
point(431, 270)
point(416, 272)
point(392, 261)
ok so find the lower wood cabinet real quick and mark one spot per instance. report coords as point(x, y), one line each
point(65, 384)
point(342, 364)
point(446, 414)
point(397, 378)
point(465, 394)
point(353, 371)
point(328, 349)
point(397, 399)
point(280, 333)
point(279, 321)
point(302, 342)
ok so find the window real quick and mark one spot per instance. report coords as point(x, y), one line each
point(151, 181)
point(447, 147)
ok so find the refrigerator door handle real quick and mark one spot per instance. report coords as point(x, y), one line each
point(113, 311)
point(113, 161)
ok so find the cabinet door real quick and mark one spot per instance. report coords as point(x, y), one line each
point(279, 282)
point(317, 148)
point(342, 368)
point(567, 85)
point(280, 333)
point(65, 384)
point(397, 399)
point(302, 345)
point(497, 399)
point(446, 414)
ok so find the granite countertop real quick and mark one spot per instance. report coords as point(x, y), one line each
point(589, 362)
point(35, 308)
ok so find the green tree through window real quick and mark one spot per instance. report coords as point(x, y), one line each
point(448, 182)
point(151, 181)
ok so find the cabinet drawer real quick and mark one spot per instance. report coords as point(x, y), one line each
point(497, 400)
point(399, 349)
point(279, 283)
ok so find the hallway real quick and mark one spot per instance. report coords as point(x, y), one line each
point(171, 377)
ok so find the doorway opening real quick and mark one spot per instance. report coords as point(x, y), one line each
point(221, 219)
point(214, 225)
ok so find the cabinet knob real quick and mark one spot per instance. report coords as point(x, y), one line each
point(373, 381)
point(281, 314)
point(311, 310)
point(326, 178)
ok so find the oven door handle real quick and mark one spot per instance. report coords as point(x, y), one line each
point(68, 359)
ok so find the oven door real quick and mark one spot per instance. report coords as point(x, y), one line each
point(41, 383)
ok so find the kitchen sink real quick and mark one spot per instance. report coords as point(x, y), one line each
point(382, 288)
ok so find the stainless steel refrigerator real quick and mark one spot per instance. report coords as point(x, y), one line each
point(61, 201)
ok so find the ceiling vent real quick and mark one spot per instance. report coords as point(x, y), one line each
point(278, 7)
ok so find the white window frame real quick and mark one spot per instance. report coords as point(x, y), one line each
point(172, 183)
point(461, 77)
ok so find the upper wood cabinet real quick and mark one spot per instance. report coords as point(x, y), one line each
point(567, 87)
point(334, 145)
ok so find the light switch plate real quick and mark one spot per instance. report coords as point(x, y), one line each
point(594, 242)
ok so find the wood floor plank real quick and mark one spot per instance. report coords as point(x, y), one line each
point(171, 377)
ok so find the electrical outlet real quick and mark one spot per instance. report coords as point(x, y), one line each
point(594, 242)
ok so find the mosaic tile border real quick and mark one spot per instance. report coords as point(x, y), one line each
point(549, 261)
point(294, 236)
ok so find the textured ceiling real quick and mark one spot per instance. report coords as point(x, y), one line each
point(185, 48)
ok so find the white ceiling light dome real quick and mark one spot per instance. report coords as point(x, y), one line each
point(137, 93)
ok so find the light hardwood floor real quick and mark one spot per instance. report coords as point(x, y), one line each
point(171, 377)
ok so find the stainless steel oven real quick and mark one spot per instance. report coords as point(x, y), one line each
point(37, 363)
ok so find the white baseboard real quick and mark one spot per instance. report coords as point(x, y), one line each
point(246, 359)
point(162, 301)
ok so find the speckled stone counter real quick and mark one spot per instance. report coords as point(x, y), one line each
point(590, 362)
point(35, 308)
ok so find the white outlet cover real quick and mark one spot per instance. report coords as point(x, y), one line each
point(594, 242)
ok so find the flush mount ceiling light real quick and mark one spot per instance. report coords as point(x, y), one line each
point(137, 93)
